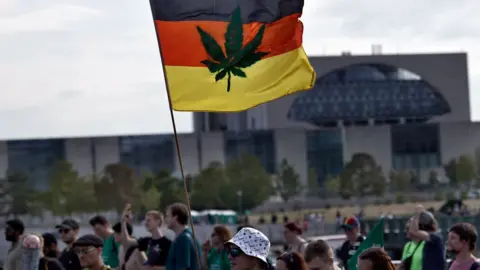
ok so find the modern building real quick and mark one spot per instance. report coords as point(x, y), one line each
point(407, 111)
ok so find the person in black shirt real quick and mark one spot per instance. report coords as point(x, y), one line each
point(68, 231)
point(351, 226)
point(153, 249)
point(49, 260)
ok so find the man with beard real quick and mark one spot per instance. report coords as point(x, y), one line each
point(13, 233)
point(89, 250)
point(68, 231)
point(183, 251)
point(50, 252)
point(462, 240)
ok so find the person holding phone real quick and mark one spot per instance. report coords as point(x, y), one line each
point(215, 257)
point(153, 250)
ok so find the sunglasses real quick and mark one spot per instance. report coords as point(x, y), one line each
point(64, 231)
point(84, 251)
point(234, 252)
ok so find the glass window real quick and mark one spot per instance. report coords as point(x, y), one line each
point(258, 143)
point(36, 159)
point(417, 145)
point(325, 152)
point(148, 154)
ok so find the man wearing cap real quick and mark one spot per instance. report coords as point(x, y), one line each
point(89, 250)
point(68, 231)
point(351, 227)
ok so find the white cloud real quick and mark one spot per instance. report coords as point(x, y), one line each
point(48, 19)
point(73, 67)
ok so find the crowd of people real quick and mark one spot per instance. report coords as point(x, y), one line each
point(115, 247)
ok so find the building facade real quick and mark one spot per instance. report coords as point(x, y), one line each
point(410, 112)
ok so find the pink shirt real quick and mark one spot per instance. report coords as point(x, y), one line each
point(465, 265)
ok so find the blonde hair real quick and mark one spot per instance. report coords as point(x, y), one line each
point(155, 214)
point(318, 248)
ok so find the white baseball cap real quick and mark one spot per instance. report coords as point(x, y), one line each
point(252, 242)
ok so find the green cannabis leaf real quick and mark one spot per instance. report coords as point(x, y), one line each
point(236, 56)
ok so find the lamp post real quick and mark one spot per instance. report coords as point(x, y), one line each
point(239, 200)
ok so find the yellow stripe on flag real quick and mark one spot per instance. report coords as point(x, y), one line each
point(195, 89)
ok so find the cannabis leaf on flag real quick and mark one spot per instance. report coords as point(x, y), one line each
point(236, 56)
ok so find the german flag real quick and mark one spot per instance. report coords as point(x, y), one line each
point(231, 55)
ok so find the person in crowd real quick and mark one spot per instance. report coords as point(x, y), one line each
point(293, 236)
point(68, 231)
point(185, 252)
point(351, 227)
point(239, 228)
point(102, 229)
point(319, 256)
point(49, 262)
point(375, 259)
point(31, 247)
point(291, 261)
point(89, 250)
point(13, 232)
point(153, 250)
point(462, 240)
point(215, 257)
point(248, 249)
point(423, 227)
point(412, 251)
point(123, 249)
point(50, 246)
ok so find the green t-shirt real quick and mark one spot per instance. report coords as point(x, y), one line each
point(417, 258)
point(110, 252)
point(218, 260)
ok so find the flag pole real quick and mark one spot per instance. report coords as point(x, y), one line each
point(177, 143)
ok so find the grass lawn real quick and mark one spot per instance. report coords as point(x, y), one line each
point(371, 211)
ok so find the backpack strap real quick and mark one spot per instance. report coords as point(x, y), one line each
point(475, 266)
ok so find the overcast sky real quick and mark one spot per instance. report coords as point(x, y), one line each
point(76, 68)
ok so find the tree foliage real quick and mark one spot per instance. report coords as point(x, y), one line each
point(313, 187)
point(287, 181)
point(461, 171)
point(18, 196)
point(400, 181)
point(362, 176)
point(208, 186)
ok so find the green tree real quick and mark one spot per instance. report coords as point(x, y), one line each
point(362, 176)
point(68, 193)
point(171, 188)
point(208, 186)
point(313, 187)
point(17, 195)
point(461, 171)
point(400, 181)
point(287, 181)
point(332, 185)
point(117, 187)
point(246, 175)
point(150, 199)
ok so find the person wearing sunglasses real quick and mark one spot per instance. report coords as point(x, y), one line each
point(291, 261)
point(248, 249)
point(68, 231)
point(89, 251)
point(319, 256)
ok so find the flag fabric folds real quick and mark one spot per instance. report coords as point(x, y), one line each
point(231, 55)
point(375, 238)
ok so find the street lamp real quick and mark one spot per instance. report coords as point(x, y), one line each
point(239, 197)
